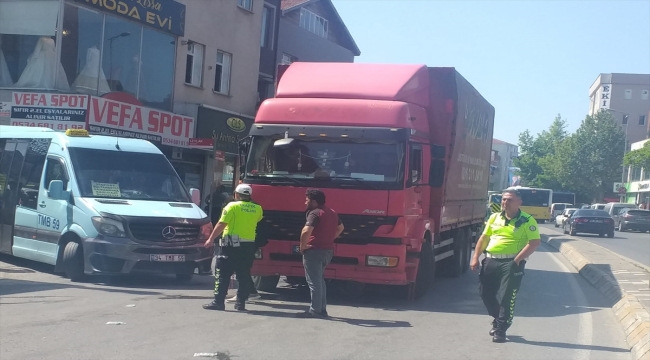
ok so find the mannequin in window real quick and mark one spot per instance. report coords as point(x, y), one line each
point(40, 71)
point(89, 76)
point(5, 76)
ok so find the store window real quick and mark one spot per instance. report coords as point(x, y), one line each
point(27, 45)
point(157, 69)
point(80, 52)
point(121, 57)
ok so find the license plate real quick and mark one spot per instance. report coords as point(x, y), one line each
point(168, 258)
point(596, 221)
point(295, 249)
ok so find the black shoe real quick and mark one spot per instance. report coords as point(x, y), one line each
point(308, 315)
point(240, 306)
point(494, 328)
point(324, 314)
point(215, 305)
point(499, 337)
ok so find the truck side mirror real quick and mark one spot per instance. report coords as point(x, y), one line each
point(196, 196)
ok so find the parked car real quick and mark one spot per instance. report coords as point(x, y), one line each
point(589, 221)
point(634, 219)
point(559, 220)
point(597, 206)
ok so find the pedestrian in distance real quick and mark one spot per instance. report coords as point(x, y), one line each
point(322, 227)
point(236, 251)
point(508, 239)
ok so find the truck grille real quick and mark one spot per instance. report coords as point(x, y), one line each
point(286, 225)
point(184, 234)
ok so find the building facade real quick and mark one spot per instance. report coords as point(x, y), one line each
point(626, 97)
point(505, 174)
point(638, 181)
point(312, 30)
point(177, 73)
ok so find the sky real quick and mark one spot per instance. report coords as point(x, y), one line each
point(531, 59)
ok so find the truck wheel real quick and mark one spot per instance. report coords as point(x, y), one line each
point(426, 271)
point(266, 283)
point(73, 261)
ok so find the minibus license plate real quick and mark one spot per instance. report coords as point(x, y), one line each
point(169, 258)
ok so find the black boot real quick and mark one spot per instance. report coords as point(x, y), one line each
point(494, 327)
point(240, 305)
point(499, 336)
point(215, 305)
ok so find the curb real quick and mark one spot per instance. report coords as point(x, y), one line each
point(629, 312)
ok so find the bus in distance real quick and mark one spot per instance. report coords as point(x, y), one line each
point(535, 201)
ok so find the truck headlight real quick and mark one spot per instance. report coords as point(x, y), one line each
point(108, 227)
point(382, 261)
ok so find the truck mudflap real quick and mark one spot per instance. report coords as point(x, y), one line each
point(371, 264)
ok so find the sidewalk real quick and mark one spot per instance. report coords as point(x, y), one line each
point(624, 282)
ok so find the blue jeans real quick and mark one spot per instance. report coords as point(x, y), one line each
point(315, 261)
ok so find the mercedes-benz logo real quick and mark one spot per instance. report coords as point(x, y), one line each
point(168, 232)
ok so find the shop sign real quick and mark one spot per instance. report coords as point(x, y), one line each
point(642, 186)
point(226, 129)
point(164, 15)
point(619, 188)
point(199, 143)
point(55, 111)
point(5, 109)
point(116, 118)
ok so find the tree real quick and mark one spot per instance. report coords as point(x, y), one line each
point(589, 162)
point(536, 154)
point(639, 158)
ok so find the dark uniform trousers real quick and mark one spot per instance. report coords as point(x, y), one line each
point(499, 281)
point(234, 260)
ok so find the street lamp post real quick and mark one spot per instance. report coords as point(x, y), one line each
point(110, 52)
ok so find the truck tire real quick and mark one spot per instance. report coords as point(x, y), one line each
point(266, 283)
point(426, 271)
point(73, 261)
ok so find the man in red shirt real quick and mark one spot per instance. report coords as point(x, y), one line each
point(317, 247)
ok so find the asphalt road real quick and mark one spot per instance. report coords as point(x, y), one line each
point(633, 245)
point(44, 316)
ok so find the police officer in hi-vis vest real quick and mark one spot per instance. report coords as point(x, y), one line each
point(236, 251)
point(509, 238)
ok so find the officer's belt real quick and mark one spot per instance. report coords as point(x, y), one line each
point(501, 256)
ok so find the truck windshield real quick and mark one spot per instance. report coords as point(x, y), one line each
point(353, 162)
point(126, 175)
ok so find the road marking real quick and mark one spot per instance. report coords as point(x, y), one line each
point(585, 320)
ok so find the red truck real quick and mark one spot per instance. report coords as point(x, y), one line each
point(402, 153)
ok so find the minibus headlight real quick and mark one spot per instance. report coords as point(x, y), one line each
point(108, 227)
